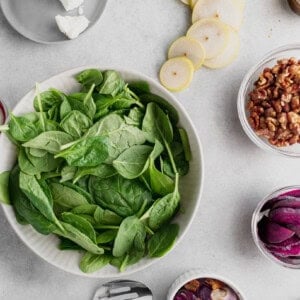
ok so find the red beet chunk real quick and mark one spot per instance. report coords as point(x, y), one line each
point(285, 215)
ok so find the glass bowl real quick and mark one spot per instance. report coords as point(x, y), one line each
point(247, 85)
point(3, 112)
point(293, 263)
point(197, 274)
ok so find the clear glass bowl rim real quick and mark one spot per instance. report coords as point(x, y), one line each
point(255, 219)
point(241, 101)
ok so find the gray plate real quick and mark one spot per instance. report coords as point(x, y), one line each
point(34, 19)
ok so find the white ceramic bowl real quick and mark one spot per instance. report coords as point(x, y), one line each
point(197, 274)
point(190, 186)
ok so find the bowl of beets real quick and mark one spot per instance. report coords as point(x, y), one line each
point(195, 286)
point(276, 226)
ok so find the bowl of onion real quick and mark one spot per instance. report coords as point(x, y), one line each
point(276, 226)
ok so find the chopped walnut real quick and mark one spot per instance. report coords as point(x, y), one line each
point(274, 103)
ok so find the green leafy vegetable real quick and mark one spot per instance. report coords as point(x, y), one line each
point(162, 241)
point(4, 193)
point(90, 77)
point(91, 262)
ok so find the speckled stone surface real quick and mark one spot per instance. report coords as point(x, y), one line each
point(135, 34)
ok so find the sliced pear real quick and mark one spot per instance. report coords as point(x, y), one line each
point(212, 34)
point(229, 54)
point(190, 48)
point(224, 10)
point(187, 2)
point(193, 3)
point(176, 73)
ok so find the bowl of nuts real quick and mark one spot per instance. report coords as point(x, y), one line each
point(269, 102)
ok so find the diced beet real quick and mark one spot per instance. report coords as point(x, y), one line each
point(185, 295)
point(294, 193)
point(285, 215)
point(276, 233)
point(293, 250)
point(287, 201)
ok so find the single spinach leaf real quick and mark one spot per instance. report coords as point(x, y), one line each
point(157, 124)
point(91, 263)
point(106, 237)
point(25, 164)
point(4, 192)
point(120, 135)
point(80, 190)
point(37, 152)
point(135, 117)
point(75, 123)
point(165, 208)
point(22, 129)
point(112, 83)
point(68, 173)
point(66, 197)
point(147, 98)
point(49, 99)
point(102, 171)
point(88, 152)
point(89, 77)
point(81, 224)
point(133, 162)
point(50, 141)
point(139, 87)
point(106, 217)
point(64, 109)
point(185, 143)
point(66, 244)
point(75, 235)
point(87, 209)
point(24, 210)
point(39, 195)
point(122, 196)
point(129, 228)
point(163, 240)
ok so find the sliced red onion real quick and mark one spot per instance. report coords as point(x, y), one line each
point(288, 201)
point(294, 193)
point(285, 215)
point(293, 250)
point(204, 292)
point(185, 295)
point(276, 233)
point(293, 241)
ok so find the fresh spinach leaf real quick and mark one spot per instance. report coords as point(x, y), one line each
point(88, 209)
point(64, 109)
point(133, 162)
point(165, 208)
point(37, 152)
point(122, 196)
point(81, 224)
point(106, 237)
point(75, 123)
point(39, 195)
point(66, 244)
point(25, 164)
point(135, 117)
point(91, 263)
point(112, 83)
point(102, 171)
point(89, 77)
point(185, 143)
point(106, 217)
point(22, 129)
point(50, 141)
point(75, 235)
point(49, 99)
point(87, 152)
point(129, 229)
point(139, 87)
point(163, 240)
point(66, 197)
point(4, 192)
point(68, 173)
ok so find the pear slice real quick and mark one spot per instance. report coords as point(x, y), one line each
point(176, 73)
point(226, 11)
point(229, 54)
point(187, 2)
point(190, 48)
point(212, 34)
point(193, 3)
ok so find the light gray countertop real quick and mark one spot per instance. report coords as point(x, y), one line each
point(135, 34)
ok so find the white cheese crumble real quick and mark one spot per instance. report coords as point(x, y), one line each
point(71, 4)
point(72, 26)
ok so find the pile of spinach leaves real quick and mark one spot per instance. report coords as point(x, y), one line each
point(100, 169)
